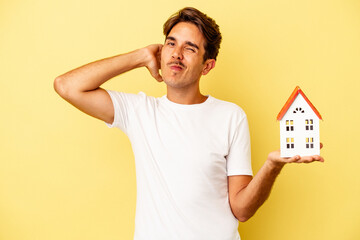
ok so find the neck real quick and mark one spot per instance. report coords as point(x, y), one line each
point(185, 97)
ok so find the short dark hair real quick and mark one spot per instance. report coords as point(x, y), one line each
point(205, 24)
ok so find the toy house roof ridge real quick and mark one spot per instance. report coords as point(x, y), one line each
point(291, 99)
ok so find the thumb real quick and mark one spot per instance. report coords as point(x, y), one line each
point(158, 77)
point(155, 74)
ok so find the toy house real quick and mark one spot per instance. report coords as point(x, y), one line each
point(299, 126)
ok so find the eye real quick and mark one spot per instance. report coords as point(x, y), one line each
point(190, 49)
point(170, 43)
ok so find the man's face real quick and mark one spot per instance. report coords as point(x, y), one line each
point(182, 56)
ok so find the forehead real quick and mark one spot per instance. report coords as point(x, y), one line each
point(187, 32)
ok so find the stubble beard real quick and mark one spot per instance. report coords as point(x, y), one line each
point(178, 82)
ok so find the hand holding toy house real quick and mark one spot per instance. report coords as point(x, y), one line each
point(299, 126)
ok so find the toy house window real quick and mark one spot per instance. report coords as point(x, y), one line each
point(309, 142)
point(289, 143)
point(309, 124)
point(289, 125)
point(300, 110)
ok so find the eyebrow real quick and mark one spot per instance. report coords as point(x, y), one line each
point(187, 42)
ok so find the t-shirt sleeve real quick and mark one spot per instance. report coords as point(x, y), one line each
point(124, 107)
point(239, 157)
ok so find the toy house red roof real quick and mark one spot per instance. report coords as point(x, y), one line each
point(291, 100)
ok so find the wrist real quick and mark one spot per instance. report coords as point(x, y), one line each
point(146, 56)
point(141, 57)
point(274, 166)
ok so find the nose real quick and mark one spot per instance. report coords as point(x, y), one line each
point(177, 53)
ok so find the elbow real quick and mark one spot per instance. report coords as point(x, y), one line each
point(244, 215)
point(61, 87)
point(241, 213)
point(243, 218)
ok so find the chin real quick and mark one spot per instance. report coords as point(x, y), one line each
point(173, 83)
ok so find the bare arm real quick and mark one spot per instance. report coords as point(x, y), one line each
point(247, 194)
point(81, 86)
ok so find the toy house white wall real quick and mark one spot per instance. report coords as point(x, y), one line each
point(302, 137)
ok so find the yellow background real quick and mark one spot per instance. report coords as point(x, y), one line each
point(64, 175)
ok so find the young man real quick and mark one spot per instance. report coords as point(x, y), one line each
point(192, 152)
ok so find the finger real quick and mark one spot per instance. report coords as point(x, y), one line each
point(160, 48)
point(321, 145)
point(292, 159)
point(309, 159)
point(317, 158)
point(306, 160)
point(320, 159)
point(157, 76)
point(158, 55)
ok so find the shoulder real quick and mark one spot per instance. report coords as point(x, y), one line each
point(228, 108)
point(131, 98)
point(126, 95)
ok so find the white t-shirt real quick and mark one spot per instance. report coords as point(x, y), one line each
point(183, 155)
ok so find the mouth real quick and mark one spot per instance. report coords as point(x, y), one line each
point(176, 66)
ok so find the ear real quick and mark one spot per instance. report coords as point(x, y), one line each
point(209, 64)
